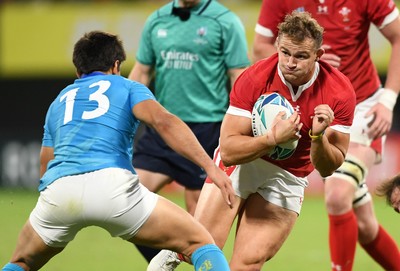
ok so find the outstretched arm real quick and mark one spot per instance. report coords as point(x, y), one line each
point(383, 111)
point(182, 140)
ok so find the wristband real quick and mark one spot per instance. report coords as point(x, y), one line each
point(315, 137)
point(388, 98)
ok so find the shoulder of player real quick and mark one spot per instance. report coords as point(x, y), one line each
point(266, 65)
point(336, 83)
point(219, 12)
point(259, 73)
point(333, 74)
point(161, 12)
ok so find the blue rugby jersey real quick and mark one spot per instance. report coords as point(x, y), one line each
point(91, 126)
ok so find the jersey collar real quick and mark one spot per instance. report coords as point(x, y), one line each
point(92, 74)
point(296, 95)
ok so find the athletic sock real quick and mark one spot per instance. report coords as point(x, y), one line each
point(147, 252)
point(384, 251)
point(12, 267)
point(210, 258)
point(343, 235)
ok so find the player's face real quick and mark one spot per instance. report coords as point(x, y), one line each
point(395, 199)
point(297, 59)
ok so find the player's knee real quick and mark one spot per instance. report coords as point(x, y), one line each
point(337, 203)
point(338, 196)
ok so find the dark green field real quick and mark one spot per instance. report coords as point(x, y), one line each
point(94, 249)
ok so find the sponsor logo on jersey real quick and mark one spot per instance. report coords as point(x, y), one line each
point(345, 11)
point(201, 33)
point(322, 9)
point(179, 60)
point(162, 33)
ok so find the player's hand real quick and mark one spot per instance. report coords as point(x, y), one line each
point(323, 117)
point(381, 122)
point(222, 181)
point(285, 130)
point(332, 59)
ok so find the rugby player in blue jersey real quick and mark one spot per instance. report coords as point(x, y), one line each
point(87, 178)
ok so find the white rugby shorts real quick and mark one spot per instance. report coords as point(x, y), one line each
point(273, 183)
point(111, 198)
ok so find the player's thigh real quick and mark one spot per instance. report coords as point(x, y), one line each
point(31, 251)
point(171, 227)
point(339, 194)
point(271, 224)
point(214, 213)
point(364, 153)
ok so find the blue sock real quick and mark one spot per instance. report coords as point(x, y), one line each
point(12, 267)
point(210, 258)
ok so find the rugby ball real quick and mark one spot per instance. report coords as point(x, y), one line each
point(264, 111)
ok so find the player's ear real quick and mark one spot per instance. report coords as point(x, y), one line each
point(116, 67)
point(320, 52)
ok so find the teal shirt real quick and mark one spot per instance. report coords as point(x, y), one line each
point(191, 59)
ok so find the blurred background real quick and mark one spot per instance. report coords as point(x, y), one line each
point(36, 41)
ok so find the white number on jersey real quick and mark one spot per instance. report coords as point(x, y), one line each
point(98, 96)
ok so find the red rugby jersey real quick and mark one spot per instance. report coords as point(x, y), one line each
point(346, 24)
point(328, 86)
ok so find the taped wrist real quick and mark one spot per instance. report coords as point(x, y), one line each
point(388, 98)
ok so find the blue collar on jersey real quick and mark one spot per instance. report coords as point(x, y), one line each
point(92, 74)
point(184, 13)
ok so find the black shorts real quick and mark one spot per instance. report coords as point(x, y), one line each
point(153, 154)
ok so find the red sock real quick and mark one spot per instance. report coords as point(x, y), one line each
point(343, 235)
point(384, 251)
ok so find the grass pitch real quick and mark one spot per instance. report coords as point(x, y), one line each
point(94, 249)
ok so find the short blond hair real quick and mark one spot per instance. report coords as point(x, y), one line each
point(299, 26)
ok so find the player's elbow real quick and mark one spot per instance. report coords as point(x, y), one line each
point(227, 159)
point(164, 123)
point(327, 170)
point(325, 173)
